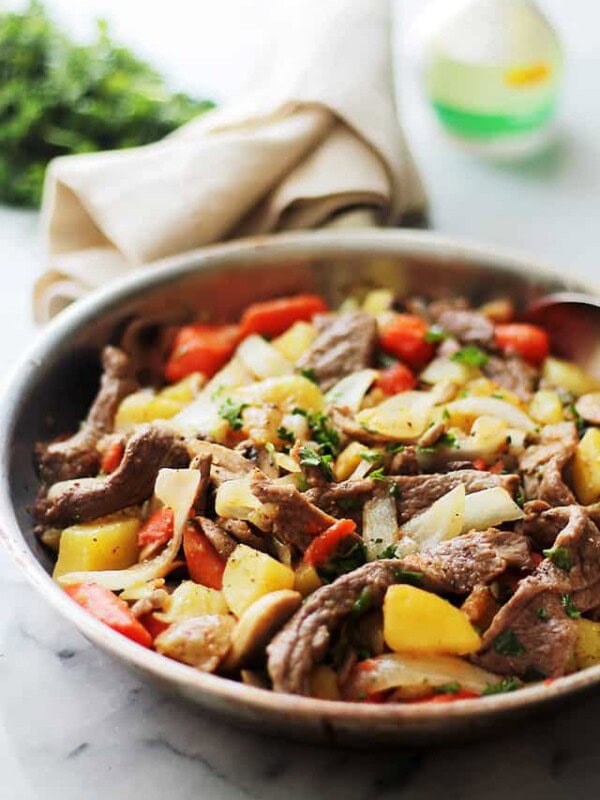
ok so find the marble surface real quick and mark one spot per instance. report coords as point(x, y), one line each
point(75, 725)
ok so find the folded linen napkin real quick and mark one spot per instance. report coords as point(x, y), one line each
point(320, 135)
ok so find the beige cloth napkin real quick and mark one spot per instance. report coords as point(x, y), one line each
point(318, 136)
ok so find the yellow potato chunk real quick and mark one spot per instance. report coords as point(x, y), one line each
point(586, 467)
point(185, 390)
point(566, 375)
point(105, 543)
point(587, 647)
point(286, 391)
point(145, 406)
point(296, 340)
point(546, 408)
point(378, 300)
point(306, 579)
point(193, 600)
point(348, 460)
point(250, 574)
point(421, 622)
point(403, 416)
point(324, 683)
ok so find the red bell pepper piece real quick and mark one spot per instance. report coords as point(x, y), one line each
point(112, 457)
point(201, 348)
point(462, 694)
point(395, 379)
point(203, 561)
point(275, 316)
point(529, 341)
point(109, 609)
point(158, 528)
point(322, 547)
point(153, 625)
point(405, 337)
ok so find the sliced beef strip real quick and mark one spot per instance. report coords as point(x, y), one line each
point(546, 645)
point(345, 344)
point(147, 451)
point(474, 559)
point(512, 373)
point(414, 493)
point(203, 464)
point(541, 465)
point(239, 530)
point(469, 327)
point(226, 465)
point(405, 462)
point(77, 456)
point(296, 521)
point(223, 543)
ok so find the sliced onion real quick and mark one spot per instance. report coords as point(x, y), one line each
point(235, 500)
point(176, 488)
point(262, 359)
point(442, 520)
point(492, 407)
point(489, 507)
point(409, 672)
point(286, 462)
point(350, 391)
point(403, 417)
point(380, 525)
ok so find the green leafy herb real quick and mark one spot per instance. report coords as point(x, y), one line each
point(322, 431)
point(388, 552)
point(60, 98)
point(349, 557)
point(310, 374)
point(394, 489)
point(435, 334)
point(425, 450)
point(286, 435)
point(560, 556)
point(471, 355)
point(448, 440)
point(571, 609)
point(445, 413)
point(498, 396)
point(520, 497)
point(377, 475)
point(395, 447)
point(503, 686)
point(232, 412)
point(542, 614)
point(371, 456)
point(409, 576)
point(270, 448)
point(578, 419)
point(310, 458)
point(448, 688)
point(386, 360)
point(363, 603)
point(508, 644)
point(366, 428)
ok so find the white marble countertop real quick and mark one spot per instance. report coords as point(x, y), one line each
point(75, 725)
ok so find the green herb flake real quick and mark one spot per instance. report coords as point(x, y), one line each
point(508, 644)
point(503, 686)
point(448, 440)
point(571, 609)
point(363, 603)
point(578, 419)
point(445, 413)
point(285, 434)
point(310, 375)
point(388, 552)
point(411, 577)
point(471, 355)
point(323, 432)
point(232, 412)
point(377, 475)
point(448, 688)
point(395, 447)
point(310, 458)
point(435, 334)
point(425, 450)
point(560, 557)
point(346, 559)
point(543, 614)
point(370, 456)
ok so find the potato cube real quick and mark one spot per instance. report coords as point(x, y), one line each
point(306, 579)
point(566, 375)
point(587, 647)
point(546, 408)
point(193, 600)
point(296, 340)
point(586, 467)
point(250, 574)
point(348, 460)
point(421, 622)
point(145, 406)
point(104, 543)
point(185, 390)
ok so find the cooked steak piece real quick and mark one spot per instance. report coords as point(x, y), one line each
point(203, 464)
point(77, 457)
point(345, 344)
point(533, 633)
point(454, 567)
point(296, 521)
point(542, 465)
point(242, 532)
point(469, 327)
point(513, 373)
point(223, 543)
point(405, 462)
point(149, 449)
point(226, 465)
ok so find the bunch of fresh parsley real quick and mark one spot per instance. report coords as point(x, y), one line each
point(59, 98)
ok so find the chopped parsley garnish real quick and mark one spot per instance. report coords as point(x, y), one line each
point(286, 435)
point(445, 413)
point(560, 556)
point(471, 355)
point(498, 396)
point(388, 552)
point(448, 440)
point(578, 419)
point(371, 456)
point(435, 334)
point(409, 576)
point(394, 489)
point(505, 685)
point(571, 609)
point(508, 644)
point(425, 450)
point(309, 374)
point(322, 431)
point(448, 688)
point(520, 497)
point(270, 448)
point(378, 475)
point(232, 412)
point(543, 614)
point(395, 447)
point(345, 560)
point(310, 458)
point(363, 603)
point(386, 360)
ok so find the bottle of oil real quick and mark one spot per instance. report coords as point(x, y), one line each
point(492, 71)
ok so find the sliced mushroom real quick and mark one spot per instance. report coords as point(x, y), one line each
point(257, 626)
point(200, 642)
point(588, 406)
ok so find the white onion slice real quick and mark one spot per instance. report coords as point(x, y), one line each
point(492, 407)
point(488, 508)
point(380, 525)
point(350, 391)
point(442, 520)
